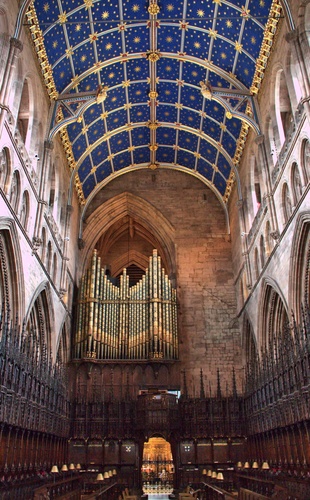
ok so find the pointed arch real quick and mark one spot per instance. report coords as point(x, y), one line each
point(299, 280)
point(273, 313)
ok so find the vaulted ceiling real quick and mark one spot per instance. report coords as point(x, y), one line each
point(153, 84)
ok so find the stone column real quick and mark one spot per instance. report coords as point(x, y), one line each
point(260, 140)
point(15, 50)
point(46, 163)
point(244, 244)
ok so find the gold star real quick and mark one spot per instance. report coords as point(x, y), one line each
point(223, 127)
point(212, 33)
point(229, 23)
point(93, 37)
point(75, 81)
point(200, 13)
point(170, 7)
point(69, 52)
point(62, 18)
point(110, 157)
point(93, 170)
point(88, 4)
point(55, 43)
point(223, 55)
point(262, 3)
point(245, 13)
point(135, 8)
point(137, 39)
point(197, 155)
point(128, 105)
point(46, 7)
point(238, 47)
point(217, 1)
point(85, 129)
point(105, 15)
point(253, 40)
point(83, 58)
point(178, 105)
point(197, 45)
point(104, 115)
point(131, 148)
point(108, 46)
point(78, 27)
point(126, 83)
point(169, 39)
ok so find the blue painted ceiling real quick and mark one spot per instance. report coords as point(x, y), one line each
point(149, 61)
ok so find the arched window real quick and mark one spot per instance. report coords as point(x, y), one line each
point(23, 112)
point(296, 184)
point(287, 203)
point(52, 180)
point(283, 107)
point(257, 187)
point(274, 315)
point(256, 263)
point(24, 210)
point(268, 239)
point(249, 344)
point(43, 250)
point(39, 326)
point(5, 169)
point(49, 258)
point(262, 251)
point(305, 160)
point(15, 190)
point(9, 279)
point(55, 268)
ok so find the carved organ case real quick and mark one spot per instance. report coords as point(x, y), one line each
point(126, 323)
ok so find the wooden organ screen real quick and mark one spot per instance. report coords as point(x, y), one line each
point(138, 322)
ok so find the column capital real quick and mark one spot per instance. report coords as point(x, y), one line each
point(16, 44)
point(259, 139)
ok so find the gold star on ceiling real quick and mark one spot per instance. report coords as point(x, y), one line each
point(88, 4)
point(104, 115)
point(46, 7)
point(93, 37)
point(78, 27)
point(85, 129)
point(135, 8)
point(238, 47)
point(62, 18)
point(212, 33)
point(105, 15)
point(200, 13)
point(69, 52)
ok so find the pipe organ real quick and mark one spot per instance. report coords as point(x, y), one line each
point(122, 322)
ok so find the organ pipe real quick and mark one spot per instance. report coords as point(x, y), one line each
point(122, 322)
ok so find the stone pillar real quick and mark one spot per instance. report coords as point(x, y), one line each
point(63, 281)
point(244, 244)
point(46, 162)
point(260, 140)
point(16, 48)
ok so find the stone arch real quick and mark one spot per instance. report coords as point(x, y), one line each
point(305, 160)
point(43, 243)
point(49, 258)
point(40, 318)
point(148, 218)
point(273, 314)
point(15, 190)
point(249, 342)
point(5, 169)
point(268, 239)
point(55, 269)
point(283, 110)
point(299, 280)
point(262, 251)
point(24, 112)
point(62, 351)
point(296, 183)
point(11, 275)
point(256, 264)
point(286, 203)
point(25, 210)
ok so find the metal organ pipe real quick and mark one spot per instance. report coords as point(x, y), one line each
point(138, 322)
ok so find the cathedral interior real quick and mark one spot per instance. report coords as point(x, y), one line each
point(155, 249)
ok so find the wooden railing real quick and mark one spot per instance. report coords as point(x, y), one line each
point(69, 489)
